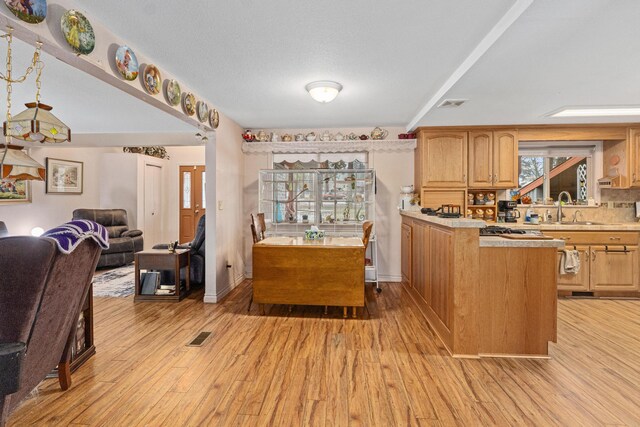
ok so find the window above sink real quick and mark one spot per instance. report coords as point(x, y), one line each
point(547, 168)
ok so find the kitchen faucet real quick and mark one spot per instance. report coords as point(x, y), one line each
point(559, 212)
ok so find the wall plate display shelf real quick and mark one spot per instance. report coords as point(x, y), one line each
point(329, 146)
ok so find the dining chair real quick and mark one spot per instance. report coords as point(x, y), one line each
point(367, 228)
point(260, 225)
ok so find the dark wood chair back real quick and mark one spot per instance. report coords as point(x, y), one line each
point(254, 234)
point(260, 225)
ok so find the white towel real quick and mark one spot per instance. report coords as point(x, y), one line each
point(570, 262)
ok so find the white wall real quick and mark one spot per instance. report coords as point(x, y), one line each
point(225, 215)
point(393, 169)
point(50, 210)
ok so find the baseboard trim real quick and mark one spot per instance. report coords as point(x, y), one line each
point(390, 278)
point(219, 296)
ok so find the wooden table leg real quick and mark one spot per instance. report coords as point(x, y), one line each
point(326, 309)
point(344, 312)
point(354, 312)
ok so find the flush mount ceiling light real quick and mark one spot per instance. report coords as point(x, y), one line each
point(324, 91)
point(632, 110)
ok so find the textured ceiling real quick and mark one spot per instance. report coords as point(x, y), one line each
point(558, 53)
point(84, 103)
point(253, 58)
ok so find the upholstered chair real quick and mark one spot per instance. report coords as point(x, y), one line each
point(123, 243)
point(41, 295)
point(197, 256)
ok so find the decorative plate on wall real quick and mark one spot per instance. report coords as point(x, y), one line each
point(152, 79)
point(78, 32)
point(189, 104)
point(31, 11)
point(172, 92)
point(214, 118)
point(203, 111)
point(127, 63)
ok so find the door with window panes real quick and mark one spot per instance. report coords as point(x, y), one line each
point(192, 200)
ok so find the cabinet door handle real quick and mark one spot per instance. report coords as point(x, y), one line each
point(614, 238)
point(634, 177)
point(564, 238)
point(464, 177)
point(593, 255)
point(490, 178)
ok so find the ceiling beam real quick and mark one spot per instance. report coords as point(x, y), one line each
point(485, 44)
point(99, 63)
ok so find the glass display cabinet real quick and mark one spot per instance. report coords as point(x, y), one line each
point(337, 201)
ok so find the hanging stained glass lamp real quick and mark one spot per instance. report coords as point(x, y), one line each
point(15, 164)
point(37, 124)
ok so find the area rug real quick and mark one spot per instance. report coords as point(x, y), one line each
point(119, 282)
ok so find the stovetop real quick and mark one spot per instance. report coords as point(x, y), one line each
point(495, 230)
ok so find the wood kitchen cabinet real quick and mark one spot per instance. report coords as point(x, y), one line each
point(633, 148)
point(440, 274)
point(405, 250)
point(608, 261)
point(441, 160)
point(576, 282)
point(420, 256)
point(493, 159)
point(613, 268)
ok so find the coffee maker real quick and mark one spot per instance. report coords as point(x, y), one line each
point(507, 211)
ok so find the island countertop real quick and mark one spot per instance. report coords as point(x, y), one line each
point(446, 222)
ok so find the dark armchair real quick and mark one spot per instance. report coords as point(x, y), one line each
point(123, 243)
point(196, 247)
point(41, 295)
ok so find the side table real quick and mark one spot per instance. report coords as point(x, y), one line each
point(162, 259)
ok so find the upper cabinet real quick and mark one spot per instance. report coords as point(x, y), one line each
point(441, 160)
point(480, 159)
point(493, 159)
point(634, 156)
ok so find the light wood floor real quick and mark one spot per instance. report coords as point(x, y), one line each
point(303, 368)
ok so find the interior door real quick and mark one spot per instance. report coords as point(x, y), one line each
point(192, 200)
point(152, 205)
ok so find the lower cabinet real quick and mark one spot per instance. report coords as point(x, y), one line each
point(602, 268)
point(427, 268)
point(405, 250)
point(614, 268)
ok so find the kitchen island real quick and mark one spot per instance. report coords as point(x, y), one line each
point(483, 296)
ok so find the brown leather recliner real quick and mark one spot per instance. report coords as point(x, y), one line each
point(41, 295)
point(123, 243)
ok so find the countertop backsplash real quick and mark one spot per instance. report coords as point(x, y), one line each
point(616, 206)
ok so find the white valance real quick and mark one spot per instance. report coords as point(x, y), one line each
point(329, 147)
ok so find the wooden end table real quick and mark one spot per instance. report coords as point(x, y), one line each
point(162, 259)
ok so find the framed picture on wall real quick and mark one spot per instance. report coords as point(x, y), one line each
point(15, 192)
point(64, 176)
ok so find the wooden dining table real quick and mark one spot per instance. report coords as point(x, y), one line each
point(295, 271)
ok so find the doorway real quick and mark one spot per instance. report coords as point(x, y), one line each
point(192, 200)
point(152, 205)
